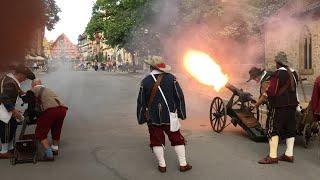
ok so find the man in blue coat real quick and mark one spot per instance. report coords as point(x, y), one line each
point(161, 95)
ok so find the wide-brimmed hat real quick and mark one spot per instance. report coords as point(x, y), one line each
point(281, 58)
point(158, 63)
point(25, 71)
point(255, 72)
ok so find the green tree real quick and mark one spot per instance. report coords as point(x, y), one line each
point(51, 14)
point(124, 24)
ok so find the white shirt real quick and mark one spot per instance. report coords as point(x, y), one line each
point(155, 71)
point(264, 74)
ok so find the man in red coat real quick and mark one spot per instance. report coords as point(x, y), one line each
point(283, 101)
point(315, 99)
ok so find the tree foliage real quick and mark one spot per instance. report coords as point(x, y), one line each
point(51, 14)
point(124, 23)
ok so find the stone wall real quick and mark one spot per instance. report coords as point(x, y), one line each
point(289, 37)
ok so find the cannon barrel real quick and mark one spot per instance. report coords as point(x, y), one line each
point(243, 96)
point(233, 89)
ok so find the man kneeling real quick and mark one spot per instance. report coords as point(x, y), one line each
point(53, 112)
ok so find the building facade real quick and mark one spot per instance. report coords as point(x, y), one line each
point(47, 48)
point(64, 50)
point(90, 49)
point(295, 29)
point(84, 47)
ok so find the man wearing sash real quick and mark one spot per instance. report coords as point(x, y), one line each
point(283, 101)
point(161, 97)
point(10, 90)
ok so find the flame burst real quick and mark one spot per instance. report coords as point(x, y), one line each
point(204, 69)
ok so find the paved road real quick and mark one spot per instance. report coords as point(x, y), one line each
point(101, 139)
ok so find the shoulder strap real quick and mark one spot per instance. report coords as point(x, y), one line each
point(154, 89)
point(2, 84)
point(163, 96)
point(39, 99)
point(15, 84)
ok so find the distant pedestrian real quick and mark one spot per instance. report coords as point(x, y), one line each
point(114, 64)
point(160, 98)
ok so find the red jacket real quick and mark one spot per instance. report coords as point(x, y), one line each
point(315, 99)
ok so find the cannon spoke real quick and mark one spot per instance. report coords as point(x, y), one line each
point(218, 124)
point(218, 114)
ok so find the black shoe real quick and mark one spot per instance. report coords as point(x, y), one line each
point(185, 168)
point(55, 152)
point(162, 169)
point(48, 159)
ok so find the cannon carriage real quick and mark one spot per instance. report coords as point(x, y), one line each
point(306, 126)
point(238, 108)
point(238, 111)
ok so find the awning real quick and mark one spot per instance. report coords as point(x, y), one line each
point(38, 58)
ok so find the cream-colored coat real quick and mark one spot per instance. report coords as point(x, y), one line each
point(49, 99)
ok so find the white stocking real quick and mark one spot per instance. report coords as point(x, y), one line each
point(273, 143)
point(158, 151)
point(4, 148)
point(290, 144)
point(181, 153)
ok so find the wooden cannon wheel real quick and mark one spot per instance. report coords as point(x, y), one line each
point(218, 115)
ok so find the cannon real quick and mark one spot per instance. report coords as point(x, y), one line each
point(243, 96)
point(239, 109)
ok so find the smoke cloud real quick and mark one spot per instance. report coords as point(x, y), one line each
point(232, 32)
point(226, 38)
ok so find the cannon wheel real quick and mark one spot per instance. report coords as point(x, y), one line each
point(218, 115)
point(307, 134)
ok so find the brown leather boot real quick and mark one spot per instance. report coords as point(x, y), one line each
point(185, 168)
point(268, 160)
point(55, 152)
point(7, 155)
point(286, 158)
point(162, 169)
point(46, 158)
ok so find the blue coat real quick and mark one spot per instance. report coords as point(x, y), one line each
point(158, 114)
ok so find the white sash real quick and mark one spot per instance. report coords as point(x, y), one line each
point(174, 120)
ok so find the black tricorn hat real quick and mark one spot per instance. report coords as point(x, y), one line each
point(25, 71)
point(255, 72)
